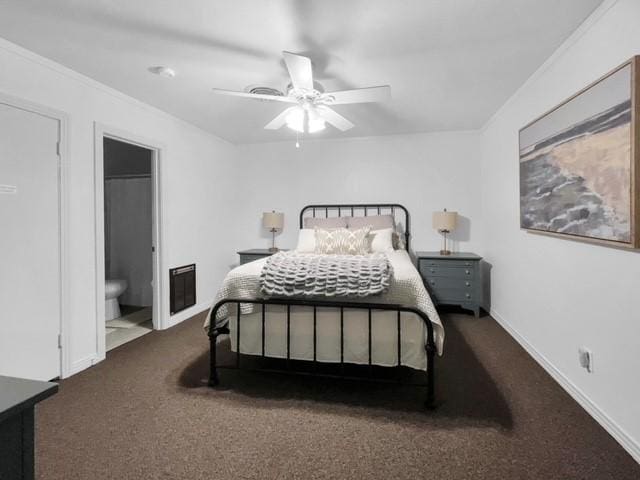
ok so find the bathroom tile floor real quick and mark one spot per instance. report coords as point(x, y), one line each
point(128, 327)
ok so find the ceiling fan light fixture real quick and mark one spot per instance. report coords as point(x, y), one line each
point(311, 109)
point(295, 120)
point(317, 126)
point(316, 122)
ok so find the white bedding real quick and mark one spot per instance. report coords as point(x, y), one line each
point(406, 288)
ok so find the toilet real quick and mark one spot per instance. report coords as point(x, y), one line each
point(112, 290)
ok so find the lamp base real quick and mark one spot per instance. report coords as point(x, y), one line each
point(273, 248)
point(444, 250)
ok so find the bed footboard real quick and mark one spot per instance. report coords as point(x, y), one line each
point(215, 332)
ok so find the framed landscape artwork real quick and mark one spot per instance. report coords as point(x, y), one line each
point(580, 164)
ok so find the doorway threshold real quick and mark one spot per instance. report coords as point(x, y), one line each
point(128, 327)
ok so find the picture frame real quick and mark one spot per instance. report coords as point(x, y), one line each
point(580, 164)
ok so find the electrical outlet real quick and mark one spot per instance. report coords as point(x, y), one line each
point(585, 357)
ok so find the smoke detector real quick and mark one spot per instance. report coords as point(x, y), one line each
point(165, 72)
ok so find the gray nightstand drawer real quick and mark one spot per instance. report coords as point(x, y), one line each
point(253, 254)
point(453, 272)
point(454, 295)
point(250, 258)
point(446, 263)
point(450, 282)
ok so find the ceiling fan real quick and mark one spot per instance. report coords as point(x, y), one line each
point(312, 106)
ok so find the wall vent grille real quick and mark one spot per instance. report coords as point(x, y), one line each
point(182, 287)
point(266, 91)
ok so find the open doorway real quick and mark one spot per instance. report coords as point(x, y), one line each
point(128, 241)
point(127, 238)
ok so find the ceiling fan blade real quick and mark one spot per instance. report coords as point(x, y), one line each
point(334, 118)
point(255, 96)
point(359, 95)
point(279, 121)
point(299, 70)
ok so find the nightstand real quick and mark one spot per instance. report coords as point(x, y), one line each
point(452, 279)
point(247, 256)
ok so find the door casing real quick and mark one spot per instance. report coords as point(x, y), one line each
point(100, 132)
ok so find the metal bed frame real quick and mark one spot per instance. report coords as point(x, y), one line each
point(430, 348)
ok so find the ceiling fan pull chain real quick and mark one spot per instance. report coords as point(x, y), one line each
point(297, 140)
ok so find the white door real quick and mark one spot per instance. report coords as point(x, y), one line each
point(29, 245)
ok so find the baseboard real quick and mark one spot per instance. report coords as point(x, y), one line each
point(89, 361)
point(187, 313)
point(617, 432)
point(79, 365)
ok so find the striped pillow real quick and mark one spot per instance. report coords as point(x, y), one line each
point(342, 241)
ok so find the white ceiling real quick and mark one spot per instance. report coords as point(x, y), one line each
point(450, 63)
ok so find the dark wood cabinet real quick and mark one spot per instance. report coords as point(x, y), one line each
point(18, 398)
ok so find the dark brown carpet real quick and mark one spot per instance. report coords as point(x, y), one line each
point(144, 414)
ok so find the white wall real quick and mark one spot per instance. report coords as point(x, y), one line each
point(424, 172)
point(556, 295)
point(197, 176)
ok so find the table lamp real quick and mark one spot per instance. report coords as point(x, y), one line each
point(273, 221)
point(445, 222)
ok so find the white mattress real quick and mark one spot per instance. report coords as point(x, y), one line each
point(406, 289)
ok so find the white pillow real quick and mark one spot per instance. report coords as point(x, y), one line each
point(306, 241)
point(381, 240)
point(342, 241)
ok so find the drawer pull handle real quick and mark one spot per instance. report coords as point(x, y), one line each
point(433, 282)
point(432, 270)
point(467, 284)
point(467, 264)
point(468, 295)
point(467, 272)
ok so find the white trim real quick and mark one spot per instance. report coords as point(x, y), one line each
point(98, 205)
point(90, 82)
point(63, 151)
point(189, 312)
point(615, 430)
point(159, 295)
point(564, 47)
point(82, 364)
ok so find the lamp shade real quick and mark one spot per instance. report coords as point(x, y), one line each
point(273, 220)
point(445, 220)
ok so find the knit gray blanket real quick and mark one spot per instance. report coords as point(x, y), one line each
point(292, 274)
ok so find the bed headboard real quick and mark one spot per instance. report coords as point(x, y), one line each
point(399, 212)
